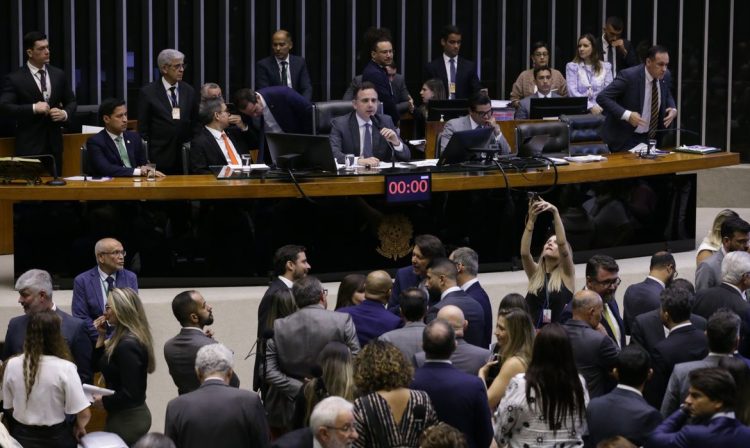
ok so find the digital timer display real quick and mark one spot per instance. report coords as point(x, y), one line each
point(409, 187)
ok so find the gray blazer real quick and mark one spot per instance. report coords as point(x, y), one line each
point(524, 107)
point(464, 124)
point(677, 388)
point(180, 351)
point(407, 339)
point(467, 357)
point(345, 138)
point(708, 273)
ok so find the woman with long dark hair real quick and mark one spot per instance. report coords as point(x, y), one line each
point(351, 291)
point(545, 406)
point(588, 75)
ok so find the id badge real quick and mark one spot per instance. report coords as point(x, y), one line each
point(175, 113)
point(547, 316)
point(452, 88)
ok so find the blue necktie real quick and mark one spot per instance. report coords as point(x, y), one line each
point(367, 144)
point(452, 80)
point(173, 96)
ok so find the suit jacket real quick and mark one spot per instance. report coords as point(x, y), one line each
point(595, 355)
point(371, 320)
point(459, 399)
point(620, 412)
point(36, 133)
point(74, 332)
point(627, 92)
point(377, 75)
point(707, 301)
point(164, 134)
point(292, 112)
point(216, 414)
point(677, 388)
point(467, 358)
point(567, 315)
point(88, 300)
point(400, 92)
point(104, 157)
point(263, 308)
point(405, 278)
point(648, 330)
point(473, 313)
point(267, 74)
point(641, 298)
point(622, 62)
point(720, 431)
point(464, 124)
point(180, 352)
point(524, 106)
point(467, 81)
point(205, 150)
point(300, 438)
point(345, 138)
point(708, 273)
point(408, 339)
point(478, 293)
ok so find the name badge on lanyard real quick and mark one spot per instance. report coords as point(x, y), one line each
point(175, 113)
point(452, 88)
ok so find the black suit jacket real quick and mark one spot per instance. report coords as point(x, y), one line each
point(345, 138)
point(376, 74)
point(630, 60)
point(267, 74)
point(467, 81)
point(473, 313)
point(104, 157)
point(300, 438)
point(480, 295)
point(648, 330)
point(263, 308)
point(620, 412)
point(165, 135)
point(205, 151)
point(595, 355)
point(37, 133)
point(707, 301)
point(640, 298)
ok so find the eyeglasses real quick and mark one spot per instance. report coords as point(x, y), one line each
point(608, 283)
point(325, 292)
point(179, 66)
point(485, 113)
point(116, 253)
point(345, 429)
point(107, 307)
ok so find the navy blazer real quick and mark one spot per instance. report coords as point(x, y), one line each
point(345, 138)
point(627, 92)
point(623, 62)
point(648, 329)
point(405, 278)
point(205, 150)
point(371, 320)
point(104, 157)
point(641, 298)
point(267, 74)
point(377, 75)
point(621, 412)
point(88, 301)
point(721, 432)
point(473, 313)
point(595, 356)
point(467, 81)
point(74, 332)
point(292, 112)
point(480, 295)
point(459, 399)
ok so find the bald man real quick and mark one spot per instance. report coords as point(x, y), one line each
point(90, 288)
point(283, 68)
point(467, 357)
point(370, 318)
point(595, 353)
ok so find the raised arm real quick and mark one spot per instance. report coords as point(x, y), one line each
point(529, 265)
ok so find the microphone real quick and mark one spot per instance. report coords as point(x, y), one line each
point(56, 181)
point(376, 124)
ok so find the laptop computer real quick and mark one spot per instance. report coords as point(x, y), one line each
point(301, 152)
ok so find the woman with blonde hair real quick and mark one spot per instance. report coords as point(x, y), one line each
point(712, 242)
point(552, 277)
point(587, 75)
point(125, 360)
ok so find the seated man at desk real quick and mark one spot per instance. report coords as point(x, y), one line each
point(543, 80)
point(365, 133)
point(115, 151)
point(480, 115)
point(216, 143)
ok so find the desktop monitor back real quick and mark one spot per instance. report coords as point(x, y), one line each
point(313, 151)
point(554, 107)
point(458, 148)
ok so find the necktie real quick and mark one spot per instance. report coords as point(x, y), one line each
point(612, 324)
point(284, 78)
point(43, 83)
point(452, 80)
point(367, 144)
point(230, 152)
point(654, 109)
point(611, 57)
point(173, 96)
point(123, 154)
point(110, 283)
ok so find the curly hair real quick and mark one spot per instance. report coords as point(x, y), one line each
point(442, 435)
point(43, 337)
point(381, 366)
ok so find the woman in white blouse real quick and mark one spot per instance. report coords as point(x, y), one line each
point(545, 406)
point(587, 75)
point(41, 385)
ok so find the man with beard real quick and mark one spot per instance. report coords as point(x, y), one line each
point(426, 248)
point(193, 313)
point(644, 296)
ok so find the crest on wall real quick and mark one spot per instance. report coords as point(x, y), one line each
point(394, 233)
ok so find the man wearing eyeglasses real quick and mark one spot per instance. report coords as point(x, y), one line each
point(602, 277)
point(480, 116)
point(217, 143)
point(90, 288)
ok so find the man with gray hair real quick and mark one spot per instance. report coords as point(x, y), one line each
point(216, 414)
point(168, 112)
point(331, 426)
point(35, 295)
point(216, 143)
point(467, 265)
point(212, 90)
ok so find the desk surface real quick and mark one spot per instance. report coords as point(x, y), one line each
point(618, 166)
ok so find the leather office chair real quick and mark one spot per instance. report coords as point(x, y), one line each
point(585, 138)
point(185, 151)
point(325, 111)
point(556, 131)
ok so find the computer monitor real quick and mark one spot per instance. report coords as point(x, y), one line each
point(446, 109)
point(458, 148)
point(313, 152)
point(554, 107)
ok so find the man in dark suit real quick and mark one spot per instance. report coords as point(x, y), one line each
point(90, 288)
point(381, 54)
point(426, 248)
point(460, 399)
point(543, 80)
point(648, 329)
point(168, 112)
point(623, 411)
point(735, 235)
point(331, 424)
point(115, 151)
point(283, 69)
point(595, 353)
point(35, 294)
point(638, 102)
point(216, 414)
point(216, 143)
point(365, 133)
point(274, 109)
point(193, 313)
point(404, 101)
point(616, 50)
point(459, 75)
point(370, 317)
point(39, 97)
point(408, 339)
point(467, 265)
point(441, 282)
point(707, 418)
point(644, 296)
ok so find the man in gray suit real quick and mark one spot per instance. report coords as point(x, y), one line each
point(216, 414)
point(297, 341)
point(735, 235)
point(193, 313)
point(467, 357)
point(543, 80)
point(723, 332)
point(480, 116)
point(404, 101)
point(408, 338)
